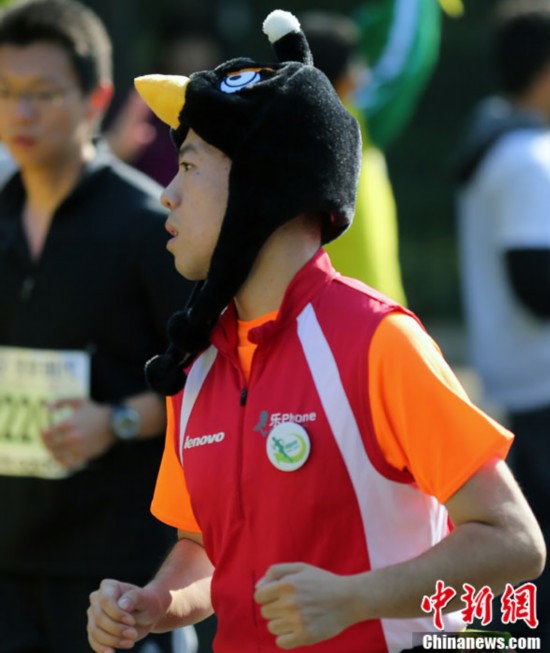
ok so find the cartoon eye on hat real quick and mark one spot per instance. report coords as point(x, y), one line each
point(242, 78)
point(294, 149)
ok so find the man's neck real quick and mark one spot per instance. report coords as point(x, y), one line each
point(45, 190)
point(47, 186)
point(283, 255)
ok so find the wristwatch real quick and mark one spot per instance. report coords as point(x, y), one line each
point(125, 422)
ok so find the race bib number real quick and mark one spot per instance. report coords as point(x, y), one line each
point(29, 380)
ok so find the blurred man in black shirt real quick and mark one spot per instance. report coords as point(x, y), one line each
point(87, 287)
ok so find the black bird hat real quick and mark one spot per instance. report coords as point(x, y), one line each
point(294, 149)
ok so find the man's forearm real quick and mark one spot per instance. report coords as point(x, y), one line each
point(182, 585)
point(496, 541)
point(474, 554)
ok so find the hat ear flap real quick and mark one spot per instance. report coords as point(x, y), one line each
point(164, 373)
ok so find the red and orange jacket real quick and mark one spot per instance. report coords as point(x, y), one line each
point(392, 436)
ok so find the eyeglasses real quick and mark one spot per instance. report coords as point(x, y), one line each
point(39, 99)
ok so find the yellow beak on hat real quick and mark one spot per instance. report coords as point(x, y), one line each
point(164, 95)
point(454, 8)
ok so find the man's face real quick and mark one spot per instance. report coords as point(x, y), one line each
point(197, 199)
point(44, 117)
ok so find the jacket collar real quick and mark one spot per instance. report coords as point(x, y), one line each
point(308, 281)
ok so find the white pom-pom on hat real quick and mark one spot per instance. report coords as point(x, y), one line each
point(279, 23)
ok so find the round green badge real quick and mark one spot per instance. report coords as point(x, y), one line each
point(288, 446)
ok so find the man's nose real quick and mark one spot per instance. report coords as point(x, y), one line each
point(169, 198)
point(23, 108)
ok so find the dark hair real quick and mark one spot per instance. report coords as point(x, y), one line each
point(333, 40)
point(521, 43)
point(68, 24)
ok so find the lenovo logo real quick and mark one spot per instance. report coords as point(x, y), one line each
point(203, 439)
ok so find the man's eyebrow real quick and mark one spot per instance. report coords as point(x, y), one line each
point(185, 149)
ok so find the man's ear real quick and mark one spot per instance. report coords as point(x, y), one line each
point(100, 98)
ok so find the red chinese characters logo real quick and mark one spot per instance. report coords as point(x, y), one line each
point(437, 602)
point(478, 606)
point(517, 604)
point(520, 603)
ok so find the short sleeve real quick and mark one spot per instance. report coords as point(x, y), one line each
point(171, 501)
point(423, 419)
